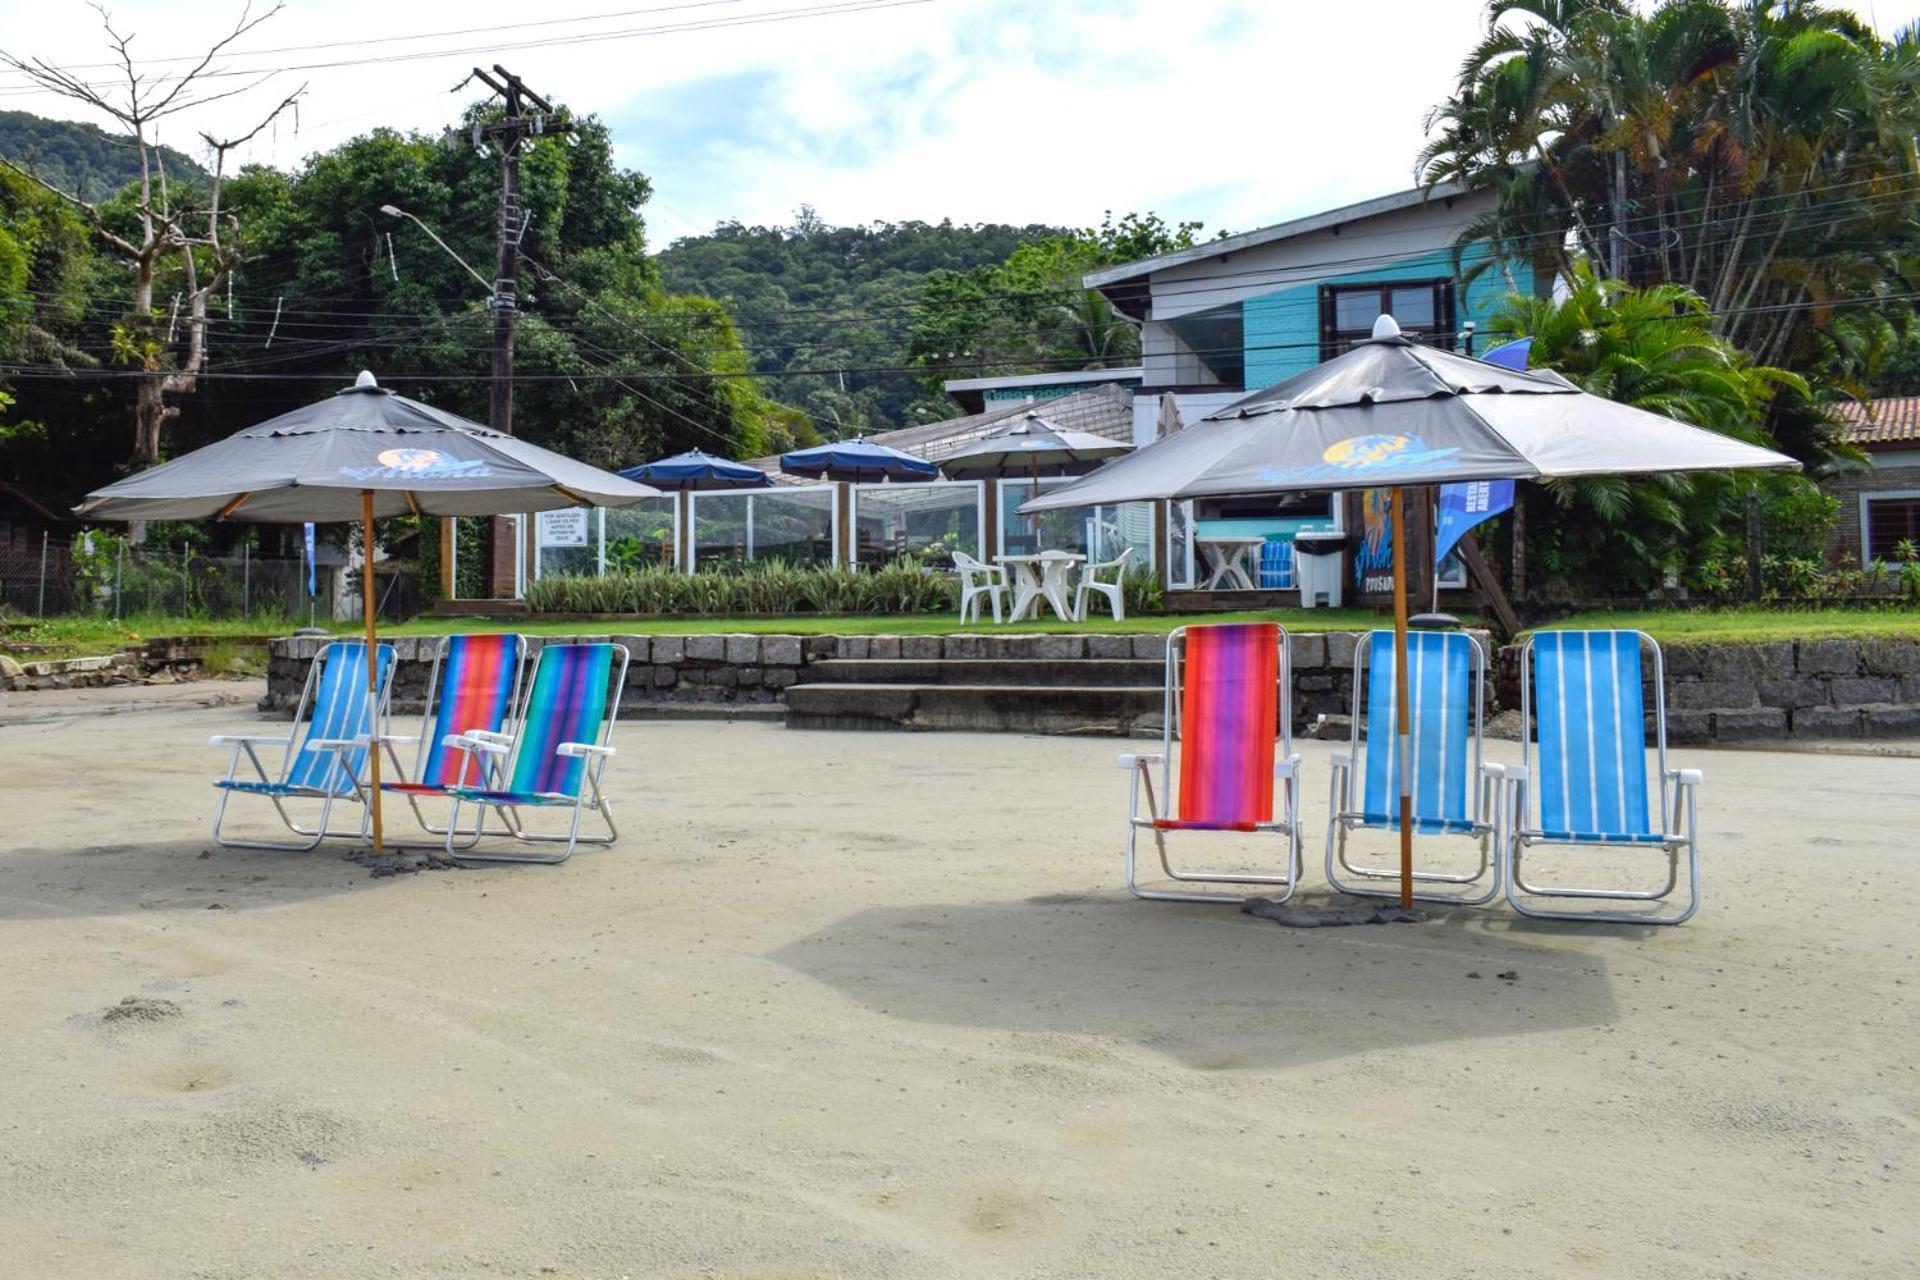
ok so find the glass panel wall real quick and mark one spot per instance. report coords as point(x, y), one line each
point(789, 525)
point(930, 521)
point(1099, 533)
point(642, 536)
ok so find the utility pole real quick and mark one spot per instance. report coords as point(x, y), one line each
point(509, 135)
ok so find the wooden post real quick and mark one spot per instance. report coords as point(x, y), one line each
point(1402, 711)
point(374, 727)
point(449, 589)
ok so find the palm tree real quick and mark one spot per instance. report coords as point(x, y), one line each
point(1654, 349)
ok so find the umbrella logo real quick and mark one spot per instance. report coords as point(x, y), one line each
point(1368, 457)
point(417, 464)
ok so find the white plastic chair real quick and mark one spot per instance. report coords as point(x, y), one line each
point(976, 580)
point(1113, 591)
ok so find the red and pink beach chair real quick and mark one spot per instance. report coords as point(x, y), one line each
point(1228, 709)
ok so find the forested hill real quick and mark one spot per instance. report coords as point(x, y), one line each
point(817, 297)
point(82, 158)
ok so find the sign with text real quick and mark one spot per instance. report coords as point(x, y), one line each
point(564, 528)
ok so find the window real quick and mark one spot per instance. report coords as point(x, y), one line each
point(1888, 520)
point(1423, 309)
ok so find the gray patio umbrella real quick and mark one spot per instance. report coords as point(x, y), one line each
point(361, 453)
point(1027, 446)
point(1388, 414)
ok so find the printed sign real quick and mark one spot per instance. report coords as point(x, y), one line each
point(564, 528)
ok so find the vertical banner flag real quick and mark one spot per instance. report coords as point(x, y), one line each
point(312, 586)
point(1463, 506)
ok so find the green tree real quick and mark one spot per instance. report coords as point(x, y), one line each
point(1655, 349)
point(1762, 154)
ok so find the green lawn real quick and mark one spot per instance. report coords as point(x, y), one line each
point(67, 637)
point(1752, 623)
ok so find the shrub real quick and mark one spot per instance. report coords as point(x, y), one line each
point(761, 588)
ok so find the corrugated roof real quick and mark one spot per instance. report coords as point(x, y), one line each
point(1892, 420)
point(1102, 411)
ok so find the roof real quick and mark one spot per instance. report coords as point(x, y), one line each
point(971, 393)
point(1278, 231)
point(31, 504)
point(1889, 420)
point(1105, 410)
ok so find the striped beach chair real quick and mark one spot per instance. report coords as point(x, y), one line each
point(471, 692)
point(1455, 791)
point(558, 753)
point(323, 758)
point(1583, 780)
point(1228, 707)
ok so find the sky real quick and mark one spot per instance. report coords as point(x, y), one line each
point(1234, 113)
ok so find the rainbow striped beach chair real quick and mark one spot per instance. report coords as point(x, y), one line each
point(1455, 791)
point(472, 691)
point(1585, 694)
point(331, 725)
point(1228, 707)
point(557, 754)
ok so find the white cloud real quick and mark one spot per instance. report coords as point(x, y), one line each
point(1236, 112)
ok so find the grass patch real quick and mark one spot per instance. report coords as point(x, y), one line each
point(1750, 623)
point(920, 624)
point(83, 637)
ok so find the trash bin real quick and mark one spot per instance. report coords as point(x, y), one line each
point(1316, 567)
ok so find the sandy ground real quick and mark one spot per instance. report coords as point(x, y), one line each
point(874, 1006)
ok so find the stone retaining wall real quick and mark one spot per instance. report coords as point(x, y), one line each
point(1715, 692)
point(755, 668)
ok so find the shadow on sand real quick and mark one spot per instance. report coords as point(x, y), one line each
point(1208, 986)
point(109, 879)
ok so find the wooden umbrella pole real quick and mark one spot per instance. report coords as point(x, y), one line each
point(1402, 714)
point(373, 669)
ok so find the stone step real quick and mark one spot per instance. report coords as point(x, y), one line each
point(984, 672)
point(976, 708)
point(752, 712)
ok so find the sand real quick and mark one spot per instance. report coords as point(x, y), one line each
point(875, 1006)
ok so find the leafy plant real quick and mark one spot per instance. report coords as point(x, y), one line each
point(905, 587)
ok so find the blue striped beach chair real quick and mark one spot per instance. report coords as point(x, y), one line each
point(324, 758)
point(1583, 776)
point(558, 753)
point(1455, 791)
point(472, 691)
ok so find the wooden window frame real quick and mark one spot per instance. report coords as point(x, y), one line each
point(1334, 340)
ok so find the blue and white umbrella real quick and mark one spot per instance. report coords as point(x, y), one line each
point(697, 469)
point(857, 461)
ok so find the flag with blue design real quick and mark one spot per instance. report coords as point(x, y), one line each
point(1462, 506)
point(312, 585)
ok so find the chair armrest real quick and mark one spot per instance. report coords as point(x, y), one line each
point(1517, 772)
point(488, 735)
point(1288, 768)
point(1687, 777)
point(469, 742)
point(1138, 760)
point(337, 744)
point(1341, 761)
point(583, 749)
point(399, 737)
point(241, 739)
point(1493, 770)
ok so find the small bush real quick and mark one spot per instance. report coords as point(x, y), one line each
point(903, 587)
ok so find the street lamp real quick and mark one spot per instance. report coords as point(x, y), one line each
point(393, 211)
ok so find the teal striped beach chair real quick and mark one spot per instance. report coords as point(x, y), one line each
point(323, 758)
point(1583, 777)
point(557, 755)
point(1455, 791)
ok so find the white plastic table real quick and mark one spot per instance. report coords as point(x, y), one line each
point(1047, 576)
point(1227, 557)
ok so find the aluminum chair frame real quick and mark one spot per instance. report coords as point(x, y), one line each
point(429, 715)
point(1485, 794)
point(506, 749)
point(292, 744)
point(1678, 811)
point(993, 585)
point(1286, 771)
point(1115, 591)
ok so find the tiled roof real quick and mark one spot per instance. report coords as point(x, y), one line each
point(1893, 420)
point(1102, 411)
